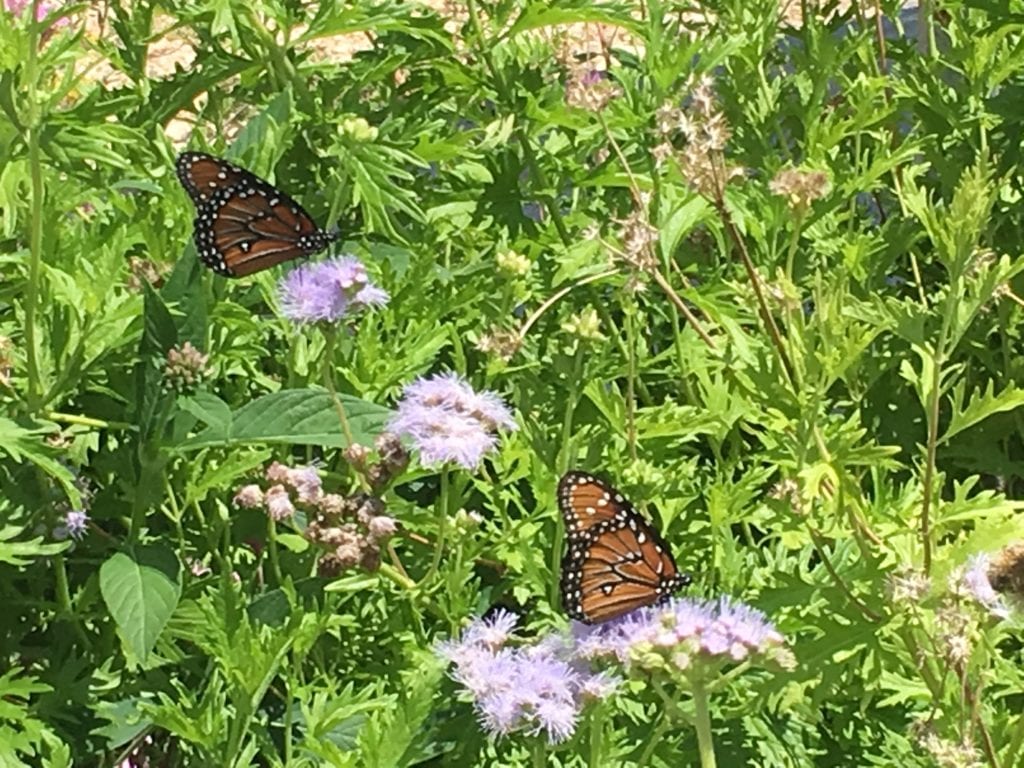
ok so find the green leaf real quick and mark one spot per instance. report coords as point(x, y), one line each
point(27, 443)
point(19, 553)
point(979, 406)
point(208, 408)
point(295, 417)
point(141, 589)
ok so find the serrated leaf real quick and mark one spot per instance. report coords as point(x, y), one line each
point(295, 417)
point(141, 589)
point(19, 553)
point(979, 406)
point(27, 443)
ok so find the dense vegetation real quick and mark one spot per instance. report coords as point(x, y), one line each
point(761, 275)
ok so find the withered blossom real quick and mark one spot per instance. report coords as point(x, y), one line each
point(500, 342)
point(800, 187)
point(590, 89)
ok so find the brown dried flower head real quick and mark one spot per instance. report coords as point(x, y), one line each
point(590, 89)
point(800, 187)
point(500, 342)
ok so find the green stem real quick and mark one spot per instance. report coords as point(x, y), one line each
point(64, 597)
point(793, 242)
point(86, 421)
point(664, 722)
point(442, 524)
point(538, 753)
point(330, 335)
point(36, 215)
point(275, 563)
point(702, 722)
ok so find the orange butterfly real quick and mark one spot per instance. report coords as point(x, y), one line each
point(614, 561)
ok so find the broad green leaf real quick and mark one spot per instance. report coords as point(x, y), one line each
point(296, 417)
point(141, 589)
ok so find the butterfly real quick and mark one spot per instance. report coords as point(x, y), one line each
point(244, 224)
point(614, 559)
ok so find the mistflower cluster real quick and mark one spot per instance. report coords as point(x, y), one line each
point(530, 688)
point(328, 291)
point(500, 342)
point(703, 125)
point(945, 753)
point(351, 529)
point(44, 9)
point(186, 367)
point(687, 635)
point(788, 490)
point(74, 523)
point(590, 89)
point(6, 360)
point(392, 459)
point(909, 587)
point(800, 187)
point(449, 422)
point(144, 271)
point(973, 581)
point(638, 238)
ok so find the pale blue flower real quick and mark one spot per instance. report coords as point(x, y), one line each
point(328, 291)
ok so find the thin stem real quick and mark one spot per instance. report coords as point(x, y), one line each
point(556, 296)
point(755, 281)
point(64, 597)
point(836, 578)
point(631, 376)
point(442, 524)
point(929, 467)
point(330, 335)
point(86, 421)
point(664, 723)
point(275, 563)
point(702, 723)
point(34, 131)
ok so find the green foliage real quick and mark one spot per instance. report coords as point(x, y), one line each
point(814, 392)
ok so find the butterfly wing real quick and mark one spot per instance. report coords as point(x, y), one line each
point(203, 175)
point(615, 561)
point(244, 224)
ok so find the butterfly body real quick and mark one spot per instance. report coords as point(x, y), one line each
point(244, 224)
point(615, 561)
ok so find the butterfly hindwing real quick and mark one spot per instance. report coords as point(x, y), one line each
point(244, 224)
point(615, 561)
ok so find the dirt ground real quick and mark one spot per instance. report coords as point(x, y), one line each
point(172, 48)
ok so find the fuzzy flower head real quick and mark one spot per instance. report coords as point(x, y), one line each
point(800, 187)
point(186, 367)
point(973, 580)
point(685, 634)
point(328, 291)
point(74, 525)
point(590, 89)
point(449, 422)
point(530, 688)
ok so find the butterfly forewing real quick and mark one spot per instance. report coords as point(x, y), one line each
point(244, 224)
point(615, 561)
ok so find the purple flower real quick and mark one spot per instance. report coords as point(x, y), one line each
point(279, 505)
point(448, 421)
point(75, 525)
point(248, 497)
point(328, 290)
point(976, 583)
point(682, 633)
point(44, 9)
point(531, 688)
point(306, 481)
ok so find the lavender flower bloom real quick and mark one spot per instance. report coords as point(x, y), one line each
point(75, 525)
point(448, 421)
point(684, 633)
point(328, 290)
point(975, 582)
point(531, 688)
point(279, 505)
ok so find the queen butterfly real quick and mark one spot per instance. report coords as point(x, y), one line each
point(244, 224)
point(614, 560)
